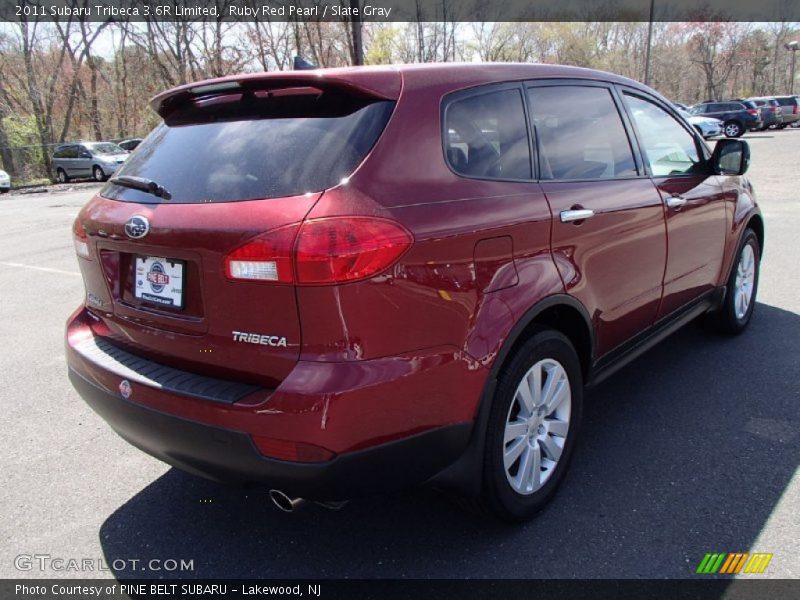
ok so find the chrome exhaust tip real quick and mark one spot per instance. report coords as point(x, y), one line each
point(284, 502)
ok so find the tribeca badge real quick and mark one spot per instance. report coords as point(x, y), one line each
point(731, 563)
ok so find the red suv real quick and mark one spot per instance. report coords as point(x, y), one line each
point(345, 281)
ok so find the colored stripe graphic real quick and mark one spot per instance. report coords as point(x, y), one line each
point(731, 563)
point(734, 562)
point(758, 563)
point(711, 563)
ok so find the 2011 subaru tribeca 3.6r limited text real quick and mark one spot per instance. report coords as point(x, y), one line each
point(347, 281)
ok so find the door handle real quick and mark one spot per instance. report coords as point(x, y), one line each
point(676, 201)
point(570, 216)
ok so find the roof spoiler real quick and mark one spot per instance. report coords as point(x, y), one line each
point(380, 85)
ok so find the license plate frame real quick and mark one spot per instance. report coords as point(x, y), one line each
point(159, 281)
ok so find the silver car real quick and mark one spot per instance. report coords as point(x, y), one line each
point(708, 127)
point(98, 160)
point(5, 182)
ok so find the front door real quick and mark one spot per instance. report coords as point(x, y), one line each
point(693, 201)
point(608, 237)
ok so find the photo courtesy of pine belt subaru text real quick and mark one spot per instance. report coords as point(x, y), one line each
point(342, 282)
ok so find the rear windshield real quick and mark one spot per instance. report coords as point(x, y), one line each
point(246, 148)
point(787, 101)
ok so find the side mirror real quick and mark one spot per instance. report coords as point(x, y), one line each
point(731, 157)
point(85, 154)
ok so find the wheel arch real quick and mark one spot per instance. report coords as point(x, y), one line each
point(756, 223)
point(561, 312)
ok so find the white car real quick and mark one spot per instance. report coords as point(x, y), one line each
point(708, 127)
point(5, 182)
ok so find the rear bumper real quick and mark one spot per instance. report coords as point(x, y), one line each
point(390, 425)
point(230, 456)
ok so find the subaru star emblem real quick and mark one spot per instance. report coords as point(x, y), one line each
point(125, 389)
point(137, 227)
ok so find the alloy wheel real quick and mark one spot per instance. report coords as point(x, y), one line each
point(732, 130)
point(745, 278)
point(536, 426)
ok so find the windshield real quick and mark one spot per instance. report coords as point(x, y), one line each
point(253, 156)
point(106, 148)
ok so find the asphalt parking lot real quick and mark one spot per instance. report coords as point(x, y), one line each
point(693, 448)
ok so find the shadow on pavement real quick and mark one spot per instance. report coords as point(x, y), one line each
point(685, 451)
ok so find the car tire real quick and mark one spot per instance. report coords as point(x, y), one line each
point(97, 174)
point(783, 126)
point(740, 291)
point(4, 191)
point(531, 435)
point(733, 129)
point(61, 176)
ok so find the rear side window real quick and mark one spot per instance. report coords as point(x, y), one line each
point(580, 133)
point(668, 147)
point(487, 137)
point(255, 146)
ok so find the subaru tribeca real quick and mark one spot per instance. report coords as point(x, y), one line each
point(338, 282)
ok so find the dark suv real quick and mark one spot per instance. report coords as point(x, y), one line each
point(345, 281)
point(771, 113)
point(790, 106)
point(737, 116)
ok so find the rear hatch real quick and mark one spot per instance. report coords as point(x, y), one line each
point(164, 247)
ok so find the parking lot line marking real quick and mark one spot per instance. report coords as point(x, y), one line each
point(35, 268)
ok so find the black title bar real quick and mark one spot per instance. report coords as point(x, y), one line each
point(383, 589)
point(400, 10)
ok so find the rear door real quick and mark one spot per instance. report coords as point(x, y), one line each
point(181, 277)
point(693, 200)
point(70, 161)
point(608, 239)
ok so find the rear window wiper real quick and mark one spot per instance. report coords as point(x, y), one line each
point(143, 184)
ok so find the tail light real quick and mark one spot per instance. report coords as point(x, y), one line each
point(753, 111)
point(336, 250)
point(81, 240)
point(795, 110)
point(777, 109)
point(267, 257)
point(321, 251)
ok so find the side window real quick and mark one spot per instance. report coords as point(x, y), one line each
point(487, 136)
point(669, 148)
point(580, 133)
point(71, 152)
